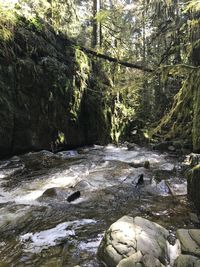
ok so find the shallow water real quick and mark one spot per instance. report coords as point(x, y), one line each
point(43, 229)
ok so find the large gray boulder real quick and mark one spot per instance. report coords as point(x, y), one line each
point(138, 260)
point(190, 248)
point(133, 237)
point(190, 241)
point(187, 261)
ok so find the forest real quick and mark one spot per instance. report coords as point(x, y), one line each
point(100, 129)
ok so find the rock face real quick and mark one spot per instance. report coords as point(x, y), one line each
point(187, 261)
point(190, 247)
point(190, 241)
point(44, 84)
point(193, 185)
point(135, 242)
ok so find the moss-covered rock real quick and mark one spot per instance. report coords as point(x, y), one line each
point(45, 90)
point(182, 121)
point(194, 185)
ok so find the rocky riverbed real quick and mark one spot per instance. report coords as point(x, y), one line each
point(40, 227)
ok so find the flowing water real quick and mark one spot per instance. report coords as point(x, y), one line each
point(39, 227)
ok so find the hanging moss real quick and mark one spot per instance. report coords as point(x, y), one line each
point(196, 110)
point(79, 83)
point(182, 121)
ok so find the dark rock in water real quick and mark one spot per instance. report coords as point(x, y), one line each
point(139, 180)
point(163, 146)
point(145, 164)
point(50, 192)
point(74, 196)
point(131, 146)
point(171, 148)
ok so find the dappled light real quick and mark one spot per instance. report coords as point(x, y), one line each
point(99, 133)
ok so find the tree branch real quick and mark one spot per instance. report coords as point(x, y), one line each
point(115, 60)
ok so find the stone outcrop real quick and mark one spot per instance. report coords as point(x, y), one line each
point(187, 261)
point(190, 248)
point(190, 241)
point(136, 242)
point(193, 185)
point(45, 90)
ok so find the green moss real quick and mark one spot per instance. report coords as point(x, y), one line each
point(79, 84)
point(8, 20)
point(196, 110)
point(35, 23)
point(182, 121)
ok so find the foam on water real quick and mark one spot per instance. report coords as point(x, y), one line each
point(91, 244)
point(125, 155)
point(36, 242)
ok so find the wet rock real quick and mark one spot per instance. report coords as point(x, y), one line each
point(74, 196)
point(187, 261)
point(130, 235)
point(193, 185)
point(190, 241)
point(168, 167)
point(138, 260)
point(51, 192)
point(131, 146)
point(82, 185)
point(61, 194)
point(139, 180)
point(194, 218)
point(163, 146)
point(171, 148)
point(133, 260)
point(145, 164)
point(194, 159)
point(150, 260)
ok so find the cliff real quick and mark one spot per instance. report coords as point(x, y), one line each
point(49, 90)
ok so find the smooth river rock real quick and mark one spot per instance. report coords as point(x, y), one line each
point(132, 241)
point(187, 261)
point(190, 241)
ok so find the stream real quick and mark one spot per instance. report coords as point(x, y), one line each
point(39, 227)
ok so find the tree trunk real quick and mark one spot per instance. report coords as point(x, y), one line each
point(95, 26)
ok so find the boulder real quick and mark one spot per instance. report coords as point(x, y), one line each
point(193, 185)
point(145, 164)
point(138, 260)
point(61, 194)
point(190, 241)
point(128, 236)
point(51, 192)
point(187, 261)
point(194, 159)
point(74, 196)
point(133, 260)
point(163, 146)
point(131, 146)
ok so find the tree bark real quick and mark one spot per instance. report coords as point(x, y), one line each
point(95, 26)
